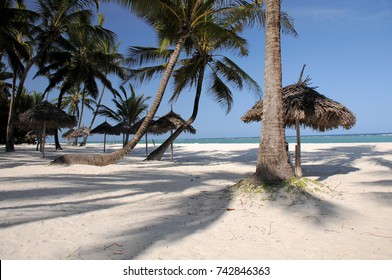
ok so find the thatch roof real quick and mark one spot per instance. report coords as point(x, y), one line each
point(168, 122)
point(79, 132)
point(122, 127)
point(67, 133)
point(103, 128)
point(45, 113)
point(136, 126)
point(310, 108)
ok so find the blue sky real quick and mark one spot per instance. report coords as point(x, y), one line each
point(346, 46)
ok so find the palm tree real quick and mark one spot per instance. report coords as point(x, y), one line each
point(5, 87)
point(207, 60)
point(175, 23)
point(81, 62)
point(16, 27)
point(14, 21)
point(111, 51)
point(128, 109)
point(56, 17)
point(272, 162)
point(75, 100)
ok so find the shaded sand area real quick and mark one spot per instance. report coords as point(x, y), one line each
point(184, 209)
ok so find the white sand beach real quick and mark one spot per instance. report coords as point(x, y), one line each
point(183, 209)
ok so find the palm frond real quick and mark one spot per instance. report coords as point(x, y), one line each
point(220, 92)
point(145, 55)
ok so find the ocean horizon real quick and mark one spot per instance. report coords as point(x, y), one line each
point(337, 138)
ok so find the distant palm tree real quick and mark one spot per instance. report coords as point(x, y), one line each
point(75, 100)
point(272, 162)
point(128, 109)
point(56, 16)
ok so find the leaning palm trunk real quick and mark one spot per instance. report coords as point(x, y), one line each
point(84, 142)
point(272, 163)
point(157, 154)
point(106, 159)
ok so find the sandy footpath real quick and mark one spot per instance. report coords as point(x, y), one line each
point(184, 209)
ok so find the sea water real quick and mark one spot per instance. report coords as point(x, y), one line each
point(346, 138)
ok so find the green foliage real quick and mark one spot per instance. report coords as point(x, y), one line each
point(298, 188)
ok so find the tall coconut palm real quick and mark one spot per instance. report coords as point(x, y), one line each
point(56, 16)
point(175, 23)
point(81, 62)
point(128, 109)
point(222, 73)
point(111, 51)
point(16, 26)
point(272, 162)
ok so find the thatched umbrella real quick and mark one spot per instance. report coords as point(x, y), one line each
point(304, 105)
point(45, 116)
point(103, 128)
point(67, 133)
point(79, 132)
point(122, 127)
point(167, 123)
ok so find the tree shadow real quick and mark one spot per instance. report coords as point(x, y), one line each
point(152, 211)
point(149, 190)
point(340, 160)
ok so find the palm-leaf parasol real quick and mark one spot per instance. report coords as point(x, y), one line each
point(167, 123)
point(45, 116)
point(103, 128)
point(303, 105)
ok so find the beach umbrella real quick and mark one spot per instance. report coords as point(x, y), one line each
point(104, 128)
point(167, 123)
point(122, 128)
point(79, 132)
point(303, 105)
point(45, 116)
point(135, 127)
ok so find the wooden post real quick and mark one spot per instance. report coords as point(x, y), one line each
point(43, 140)
point(298, 169)
point(104, 143)
point(171, 147)
point(146, 145)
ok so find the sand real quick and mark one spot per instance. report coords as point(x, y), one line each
point(184, 209)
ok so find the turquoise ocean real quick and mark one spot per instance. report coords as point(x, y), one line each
point(346, 138)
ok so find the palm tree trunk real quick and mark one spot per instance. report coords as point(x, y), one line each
point(272, 163)
point(10, 139)
point(157, 154)
point(56, 132)
point(298, 169)
point(106, 159)
point(84, 142)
